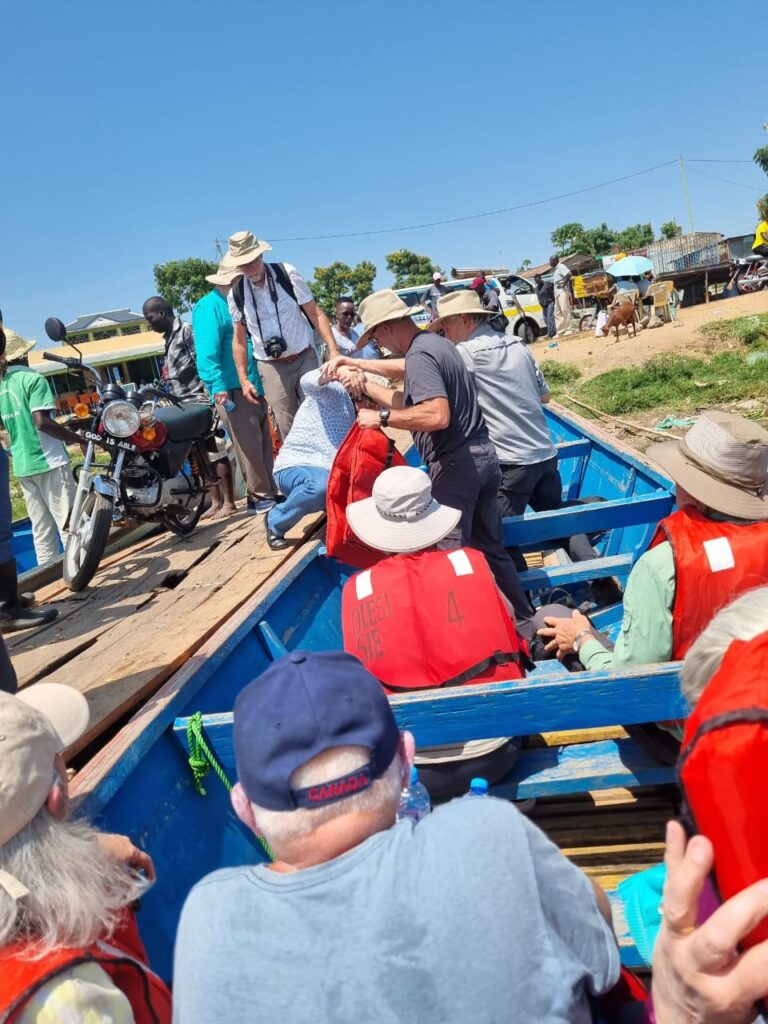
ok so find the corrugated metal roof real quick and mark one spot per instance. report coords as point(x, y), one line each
point(99, 353)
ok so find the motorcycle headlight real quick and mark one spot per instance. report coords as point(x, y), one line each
point(121, 419)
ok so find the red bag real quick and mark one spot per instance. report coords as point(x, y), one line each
point(362, 456)
point(723, 766)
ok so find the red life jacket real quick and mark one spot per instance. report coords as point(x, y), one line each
point(723, 766)
point(431, 619)
point(715, 562)
point(362, 456)
point(122, 956)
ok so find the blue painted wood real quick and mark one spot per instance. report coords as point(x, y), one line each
point(274, 645)
point(573, 449)
point(23, 546)
point(536, 527)
point(577, 572)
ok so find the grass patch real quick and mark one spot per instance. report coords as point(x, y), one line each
point(742, 330)
point(559, 376)
point(682, 382)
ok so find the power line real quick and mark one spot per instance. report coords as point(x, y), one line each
point(716, 177)
point(478, 216)
point(708, 161)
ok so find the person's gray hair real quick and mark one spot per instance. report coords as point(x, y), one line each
point(743, 619)
point(280, 827)
point(76, 890)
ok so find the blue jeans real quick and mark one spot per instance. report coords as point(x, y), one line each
point(549, 317)
point(304, 489)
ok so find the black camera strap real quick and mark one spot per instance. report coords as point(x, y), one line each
point(273, 295)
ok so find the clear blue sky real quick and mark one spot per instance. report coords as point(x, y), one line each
point(134, 133)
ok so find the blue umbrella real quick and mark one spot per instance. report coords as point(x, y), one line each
point(630, 266)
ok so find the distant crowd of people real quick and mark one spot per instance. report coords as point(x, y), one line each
point(470, 914)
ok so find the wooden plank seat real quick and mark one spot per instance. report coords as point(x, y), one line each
point(536, 527)
point(577, 572)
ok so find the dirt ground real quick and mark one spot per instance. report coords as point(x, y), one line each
point(596, 355)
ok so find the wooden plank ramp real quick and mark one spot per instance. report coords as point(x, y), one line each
point(148, 609)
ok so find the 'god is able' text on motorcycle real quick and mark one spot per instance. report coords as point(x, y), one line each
point(158, 468)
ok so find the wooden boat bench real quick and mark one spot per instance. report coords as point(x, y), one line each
point(549, 700)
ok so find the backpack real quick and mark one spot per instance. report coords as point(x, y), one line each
point(362, 456)
point(282, 277)
point(722, 770)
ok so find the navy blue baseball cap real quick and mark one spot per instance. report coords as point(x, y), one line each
point(303, 704)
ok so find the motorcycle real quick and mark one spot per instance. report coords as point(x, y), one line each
point(751, 274)
point(158, 468)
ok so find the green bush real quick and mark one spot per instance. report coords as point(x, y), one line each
point(559, 375)
point(745, 330)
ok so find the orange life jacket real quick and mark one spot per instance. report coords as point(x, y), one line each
point(362, 456)
point(431, 619)
point(715, 562)
point(122, 956)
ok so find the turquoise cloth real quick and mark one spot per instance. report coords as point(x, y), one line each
point(213, 330)
point(641, 896)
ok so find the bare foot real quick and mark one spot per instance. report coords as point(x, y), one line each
point(212, 512)
point(223, 511)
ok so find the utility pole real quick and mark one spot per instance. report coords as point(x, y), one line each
point(218, 243)
point(684, 180)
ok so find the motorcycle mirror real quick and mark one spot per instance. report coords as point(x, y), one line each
point(55, 329)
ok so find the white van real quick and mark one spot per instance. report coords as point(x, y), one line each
point(518, 301)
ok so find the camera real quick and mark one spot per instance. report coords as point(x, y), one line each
point(275, 347)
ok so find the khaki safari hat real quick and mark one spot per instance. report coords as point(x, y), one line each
point(401, 515)
point(456, 303)
point(15, 345)
point(35, 725)
point(225, 274)
point(245, 247)
point(722, 462)
point(380, 307)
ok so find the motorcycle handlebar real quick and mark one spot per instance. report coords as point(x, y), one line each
point(66, 360)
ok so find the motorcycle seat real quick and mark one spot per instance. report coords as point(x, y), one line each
point(193, 421)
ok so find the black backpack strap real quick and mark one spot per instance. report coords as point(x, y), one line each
point(390, 453)
point(238, 294)
point(283, 278)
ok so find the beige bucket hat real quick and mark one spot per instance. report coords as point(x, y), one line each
point(35, 725)
point(225, 274)
point(15, 345)
point(722, 462)
point(455, 303)
point(380, 307)
point(245, 247)
point(401, 515)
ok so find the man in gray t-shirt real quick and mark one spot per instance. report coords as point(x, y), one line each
point(470, 915)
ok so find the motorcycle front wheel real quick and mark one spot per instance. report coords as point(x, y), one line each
point(182, 523)
point(87, 540)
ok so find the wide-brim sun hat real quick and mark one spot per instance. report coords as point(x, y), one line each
point(15, 345)
point(722, 462)
point(225, 273)
point(380, 307)
point(245, 247)
point(401, 515)
point(463, 301)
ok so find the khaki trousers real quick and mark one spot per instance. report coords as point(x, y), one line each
point(248, 426)
point(563, 310)
point(281, 386)
point(49, 498)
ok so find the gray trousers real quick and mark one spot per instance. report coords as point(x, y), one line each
point(248, 426)
point(282, 388)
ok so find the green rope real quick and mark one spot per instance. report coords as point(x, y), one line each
point(202, 759)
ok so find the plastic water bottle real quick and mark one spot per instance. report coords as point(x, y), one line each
point(414, 799)
point(478, 787)
point(229, 405)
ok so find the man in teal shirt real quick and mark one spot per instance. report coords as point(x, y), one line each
point(246, 422)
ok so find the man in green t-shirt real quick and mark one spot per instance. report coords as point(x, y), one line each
point(40, 460)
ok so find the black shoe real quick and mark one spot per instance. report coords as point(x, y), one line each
point(277, 543)
point(15, 617)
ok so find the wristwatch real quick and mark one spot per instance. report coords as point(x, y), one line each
point(384, 416)
point(580, 637)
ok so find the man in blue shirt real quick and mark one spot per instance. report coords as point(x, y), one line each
point(247, 422)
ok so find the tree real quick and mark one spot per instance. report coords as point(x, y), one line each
point(182, 282)
point(524, 266)
point(761, 158)
point(671, 229)
point(410, 269)
point(636, 236)
point(339, 279)
point(567, 239)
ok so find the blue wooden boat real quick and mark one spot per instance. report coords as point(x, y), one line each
point(23, 546)
point(140, 783)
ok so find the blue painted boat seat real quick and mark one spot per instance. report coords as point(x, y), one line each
point(577, 572)
point(537, 527)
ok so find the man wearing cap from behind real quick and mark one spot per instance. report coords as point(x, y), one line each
point(69, 947)
point(708, 552)
point(438, 403)
point(469, 915)
point(424, 618)
point(435, 291)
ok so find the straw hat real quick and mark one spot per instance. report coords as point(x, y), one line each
point(722, 462)
point(15, 345)
point(225, 274)
point(456, 303)
point(380, 307)
point(401, 515)
point(244, 248)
